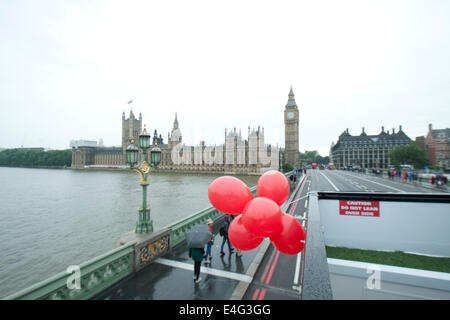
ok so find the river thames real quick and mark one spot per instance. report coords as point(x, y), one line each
point(53, 218)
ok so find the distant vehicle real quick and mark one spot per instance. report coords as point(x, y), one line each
point(331, 166)
point(314, 165)
point(406, 167)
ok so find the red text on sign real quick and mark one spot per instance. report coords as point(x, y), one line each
point(359, 208)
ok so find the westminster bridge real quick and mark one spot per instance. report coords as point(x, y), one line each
point(156, 266)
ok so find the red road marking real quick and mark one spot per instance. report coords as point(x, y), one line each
point(255, 294)
point(273, 267)
point(268, 266)
point(263, 293)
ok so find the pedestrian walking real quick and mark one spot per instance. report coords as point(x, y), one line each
point(208, 256)
point(196, 239)
point(291, 183)
point(224, 234)
point(403, 177)
point(410, 176)
point(414, 177)
point(197, 255)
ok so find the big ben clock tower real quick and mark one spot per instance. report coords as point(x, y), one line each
point(291, 152)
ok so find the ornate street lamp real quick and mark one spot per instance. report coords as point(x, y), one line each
point(132, 153)
point(155, 154)
point(144, 139)
point(144, 224)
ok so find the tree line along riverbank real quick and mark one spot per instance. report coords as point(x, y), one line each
point(36, 158)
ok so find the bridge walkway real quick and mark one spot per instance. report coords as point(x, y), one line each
point(228, 277)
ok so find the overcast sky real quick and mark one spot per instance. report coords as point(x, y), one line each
point(68, 68)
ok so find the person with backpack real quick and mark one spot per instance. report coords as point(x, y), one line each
point(224, 233)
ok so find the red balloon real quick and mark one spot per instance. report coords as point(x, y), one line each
point(262, 217)
point(229, 194)
point(273, 185)
point(240, 237)
point(291, 239)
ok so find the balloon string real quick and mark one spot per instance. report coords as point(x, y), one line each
point(298, 199)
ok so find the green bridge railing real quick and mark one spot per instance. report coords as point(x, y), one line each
point(96, 275)
point(106, 270)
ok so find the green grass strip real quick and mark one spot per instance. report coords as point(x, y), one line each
point(396, 258)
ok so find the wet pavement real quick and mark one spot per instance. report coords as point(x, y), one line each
point(171, 278)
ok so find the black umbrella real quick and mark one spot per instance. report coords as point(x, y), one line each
point(198, 236)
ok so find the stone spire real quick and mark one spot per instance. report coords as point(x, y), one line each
point(291, 94)
point(291, 101)
point(176, 133)
point(175, 122)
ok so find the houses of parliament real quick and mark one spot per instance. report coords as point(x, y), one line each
point(235, 156)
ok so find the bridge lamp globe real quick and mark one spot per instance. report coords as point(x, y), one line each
point(144, 139)
point(155, 156)
point(132, 153)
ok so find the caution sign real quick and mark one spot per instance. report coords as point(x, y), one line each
point(359, 208)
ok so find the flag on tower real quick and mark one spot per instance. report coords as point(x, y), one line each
point(130, 101)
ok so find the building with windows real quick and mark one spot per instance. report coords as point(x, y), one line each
point(366, 151)
point(437, 144)
point(236, 156)
point(86, 143)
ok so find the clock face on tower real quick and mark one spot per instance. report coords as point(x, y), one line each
point(290, 115)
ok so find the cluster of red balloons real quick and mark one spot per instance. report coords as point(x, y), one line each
point(259, 217)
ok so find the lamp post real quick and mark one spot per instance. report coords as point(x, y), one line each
point(144, 224)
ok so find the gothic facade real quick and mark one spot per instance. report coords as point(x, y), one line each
point(235, 156)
